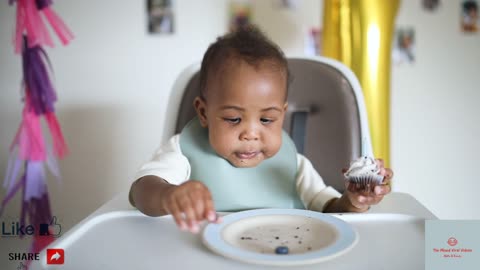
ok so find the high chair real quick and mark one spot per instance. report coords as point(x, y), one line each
point(326, 115)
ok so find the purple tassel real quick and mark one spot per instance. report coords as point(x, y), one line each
point(35, 200)
point(43, 3)
point(36, 210)
point(35, 195)
point(38, 84)
point(35, 180)
point(39, 97)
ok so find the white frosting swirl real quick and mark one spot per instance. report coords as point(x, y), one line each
point(362, 166)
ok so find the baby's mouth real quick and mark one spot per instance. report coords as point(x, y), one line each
point(246, 155)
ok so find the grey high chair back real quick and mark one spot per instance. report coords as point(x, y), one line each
point(326, 118)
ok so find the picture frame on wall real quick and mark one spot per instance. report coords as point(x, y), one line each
point(430, 5)
point(160, 16)
point(313, 41)
point(240, 15)
point(404, 46)
point(470, 21)
point(286, 4)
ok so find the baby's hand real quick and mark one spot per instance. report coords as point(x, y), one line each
point(189, 204)
point(362, 198)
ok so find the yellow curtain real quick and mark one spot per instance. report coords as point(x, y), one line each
point(359, 33)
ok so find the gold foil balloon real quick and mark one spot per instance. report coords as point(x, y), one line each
point(359, 33)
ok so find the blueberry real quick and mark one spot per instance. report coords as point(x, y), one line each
point(281, 250)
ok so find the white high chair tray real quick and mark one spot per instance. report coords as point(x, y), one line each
point(130, 240)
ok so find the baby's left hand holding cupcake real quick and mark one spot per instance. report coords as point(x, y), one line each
point(360, 199)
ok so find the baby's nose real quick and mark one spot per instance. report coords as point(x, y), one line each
point(249, 134)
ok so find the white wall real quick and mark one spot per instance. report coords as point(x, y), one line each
point(113, 83)
point(435, 126)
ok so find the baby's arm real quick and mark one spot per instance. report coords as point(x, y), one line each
point(188, 203)
point(146, 193)
point(310, 186)
point(342, 204)
point(163, 187)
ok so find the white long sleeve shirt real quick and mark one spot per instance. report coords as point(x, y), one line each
point(169, 163)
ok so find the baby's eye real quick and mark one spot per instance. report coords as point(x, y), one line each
point(232, 120)
point(266, 120)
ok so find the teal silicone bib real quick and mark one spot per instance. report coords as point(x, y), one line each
point(271, 184)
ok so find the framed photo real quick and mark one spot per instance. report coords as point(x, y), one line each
point(286, 4)
point(160, 17)
point(240, 15)
point(404, 46)
point(313, 41)
point(470, 21)
point(430, 5)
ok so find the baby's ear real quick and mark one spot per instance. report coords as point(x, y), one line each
point(285, 106)
point(201, 108)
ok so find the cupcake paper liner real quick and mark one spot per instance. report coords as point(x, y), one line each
point(375, 179)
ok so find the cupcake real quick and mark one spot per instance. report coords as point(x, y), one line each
point(364, 171)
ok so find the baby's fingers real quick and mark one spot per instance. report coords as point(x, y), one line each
point(198, 203)
point(174, 210)
point(187, 208)
point(382, 190)
point(380, 163)
point(370, 199)
point(210, 213)
point(388, 173)
point(359, 202)
point(203, 203)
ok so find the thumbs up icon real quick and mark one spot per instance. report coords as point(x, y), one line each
point(51, 229)
point(55, 228)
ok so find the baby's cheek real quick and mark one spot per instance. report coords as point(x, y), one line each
point(274, 145)
point(220, 144)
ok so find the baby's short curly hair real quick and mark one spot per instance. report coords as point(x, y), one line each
point(248, 44)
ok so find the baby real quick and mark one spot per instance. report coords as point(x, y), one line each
point(234, 155)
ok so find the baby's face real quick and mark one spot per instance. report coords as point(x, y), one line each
point(244, 112)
